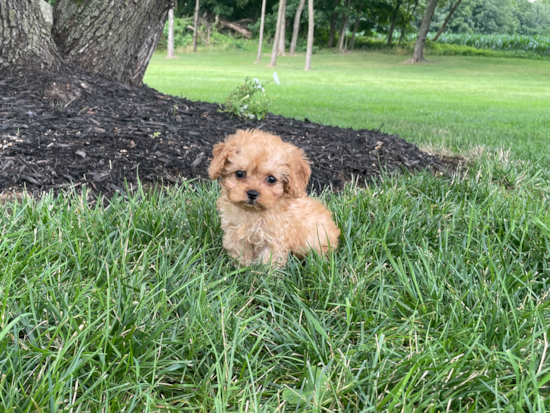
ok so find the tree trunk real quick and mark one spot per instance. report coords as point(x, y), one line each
point(112, 39)
point(355, 27)
point(343, 29)
point(282, 35)
point(407, 21)
point(262, 21)
point(296, 27)
point(195, 25)
point(170, 34)
point(418, 55)
point(275, 48)
point(394, 19)
point(25, 41)
point(332, 31)
point(346, 41)
point(310, 30)
point(446, 20)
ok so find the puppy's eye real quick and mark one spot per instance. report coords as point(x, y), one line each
point(271, 179)
point(239, 174)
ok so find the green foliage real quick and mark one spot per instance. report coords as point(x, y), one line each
point(442, 49)
point(229, 9)
point(182, 35)
point(248, 100)
point(537, 45)
point(183, 38)
point(511, 17)
point(496, 17)
point(379, 42)
point(467, 44)
point(221, 41)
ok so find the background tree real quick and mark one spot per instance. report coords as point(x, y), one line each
point(282, 33)
point(171, 34)
point(355, 26)
point(275, 48)
point(333, 18)
point(377, 16)
point(418, 54)
point(310, 30)
point(495, 17)
point(296, 26)
point(261, 33)
point(195, 26)
point(343, 26)
point(451, 12)
point(393, 21)
point(407, 19)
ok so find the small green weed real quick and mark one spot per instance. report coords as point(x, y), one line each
point(249, 100)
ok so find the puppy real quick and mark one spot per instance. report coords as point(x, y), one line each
point(265, 213)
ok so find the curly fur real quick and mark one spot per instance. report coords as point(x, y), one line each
point(282, 219)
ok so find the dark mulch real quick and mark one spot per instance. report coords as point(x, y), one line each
point(65, 130)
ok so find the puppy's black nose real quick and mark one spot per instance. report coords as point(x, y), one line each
point(252, 195)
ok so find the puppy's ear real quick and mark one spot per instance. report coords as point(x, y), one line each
point(299, 174)
point(221, 152)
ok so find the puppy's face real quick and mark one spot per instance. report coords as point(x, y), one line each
point(258, 170)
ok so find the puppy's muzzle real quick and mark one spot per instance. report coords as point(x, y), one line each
point(252, 196)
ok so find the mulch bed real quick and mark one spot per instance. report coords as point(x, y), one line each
point(66, 130)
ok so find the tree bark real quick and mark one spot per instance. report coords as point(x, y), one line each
point(355, 27)
point(332, 31)
point(170, 34)
point(296, 27)
point(112, 39)
point(442, 28)
point(310, 30)
point(418, 55)
point(262, 21)
point(196, 24)
point(275, 48)
point(282, 35)
point(394, 19)
point(343, 29)
point(25, 41)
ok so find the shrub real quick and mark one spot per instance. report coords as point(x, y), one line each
point(249, 100)
point(536, 45)
point(182, 35)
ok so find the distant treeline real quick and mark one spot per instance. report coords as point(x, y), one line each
point(509, 17)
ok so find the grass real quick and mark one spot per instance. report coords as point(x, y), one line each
point(459, 101)
point(436, 300)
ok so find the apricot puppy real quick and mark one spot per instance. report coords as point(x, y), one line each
point(265, 213)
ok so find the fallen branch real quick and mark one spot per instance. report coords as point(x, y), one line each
point(228, 25)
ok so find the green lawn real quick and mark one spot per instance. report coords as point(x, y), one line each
point(437, 299)
point(458, 101)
